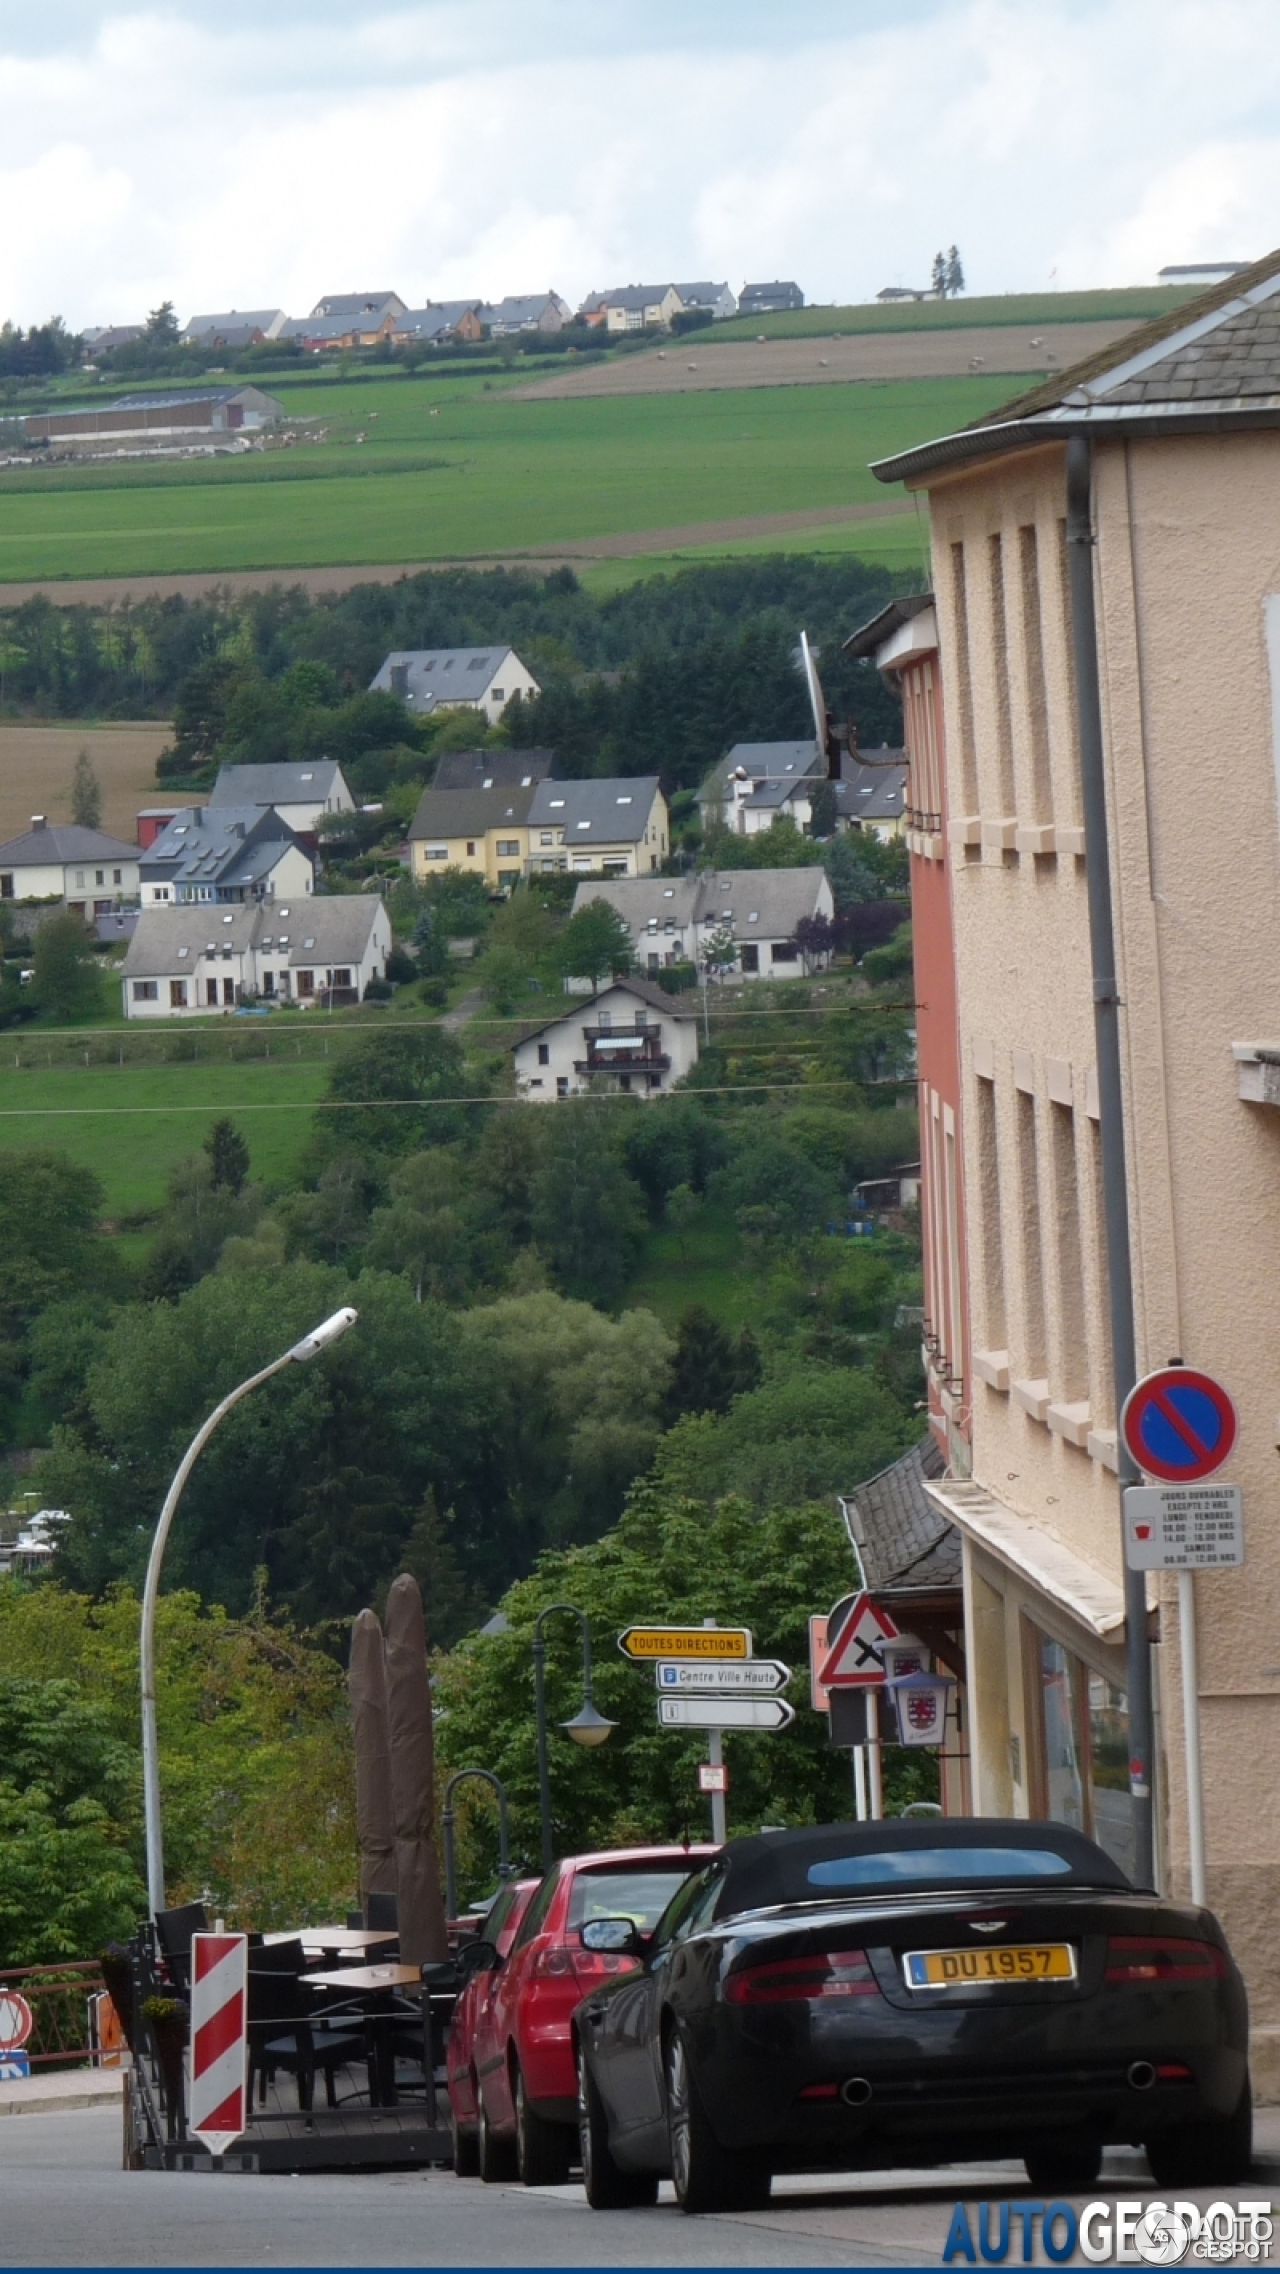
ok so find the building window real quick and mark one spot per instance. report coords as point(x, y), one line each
point(436, 853)
point(1033, 1313)
point(177, 994)
point(991, 1246)
point(499, 695)
point(508, 848)
point(1079, 1745)
point(784, 951)
point(1072, 1363)
point(471, 848)
point(342, 978)
point(507, 879)
point(211, 993)
point(6, 887)
point(1000, 671)
point(562, 1085)
point(146, 991)
point(99, 876)
point(547, 837)
point(268, 982)
point(79, 880)
point(306, 982)
point(750, 958)
point(544, 1054)
point(1033, 666)
point(228, 991)
point(117, 876)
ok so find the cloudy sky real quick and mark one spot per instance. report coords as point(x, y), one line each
point(263, 152)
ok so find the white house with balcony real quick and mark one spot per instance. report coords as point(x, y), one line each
point(631, 1037)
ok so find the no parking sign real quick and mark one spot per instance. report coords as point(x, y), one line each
point(16, 2025)
point(1180, 1425)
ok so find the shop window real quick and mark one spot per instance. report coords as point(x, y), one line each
point(1079, 1745)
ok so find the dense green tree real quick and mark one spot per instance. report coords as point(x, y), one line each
point(67, 984)
point(596, 944)
point(86, 794)
point(805, 1434)
point(399, 1087)
point(586, 1214)
point(228, 1156)
point(202, 1214)
point(711, 1366)
point(49, 1242)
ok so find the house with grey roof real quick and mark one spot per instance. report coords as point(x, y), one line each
point(633, 307)
point(525, 312)
point(369, 309)
point(672, 919)
point(769, 299)
point(759, 762)
point(223, 855)
point(621, 828)
point(715, 300)
point(493, 769)
point(92, 872)
point(316, 951)
point(300, 793)
point(909, 1555)
point(482, 679)
point(630, 1038)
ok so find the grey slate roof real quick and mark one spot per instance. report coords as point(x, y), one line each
point(782, 761)
point(644, 991)
point(234, 846)
point(275, 785)
point(497, 769)
point(443, 674)
point(765, 904)
point(318, 929)
point(233, 319)
point(59, 841)
point(468, 813)
point(1213, 364)
point(635, 296)
point(356, 303)
point(596, 812)
point(874, 793)
point(671, 900)
point(901, 1540)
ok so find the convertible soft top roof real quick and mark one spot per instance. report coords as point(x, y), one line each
point(774, 1867)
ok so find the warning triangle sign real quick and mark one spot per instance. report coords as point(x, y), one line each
point(854, 1661)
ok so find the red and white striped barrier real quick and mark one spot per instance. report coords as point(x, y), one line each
point(218, 2112)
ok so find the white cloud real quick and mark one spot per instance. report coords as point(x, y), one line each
point(492, 148)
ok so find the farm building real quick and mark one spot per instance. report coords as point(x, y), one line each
point(187, 416)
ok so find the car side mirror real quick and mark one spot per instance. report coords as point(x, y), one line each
point(478, 1958)
point(619, 1938)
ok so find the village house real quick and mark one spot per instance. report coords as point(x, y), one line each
point(633, 307)
point(620, 828)
point(769, 299)
point(482, 679)
point(525, 312)
point(714, 300)
point(320, 952)
point(226, 330)
point(439, 321)
point(91, 872)
point(759, 783)
point(671, 919)
point(300, 793)
point(238, 853)
point(492, 769)
point(184, 417)
point(630, 1037)
point(484, 831)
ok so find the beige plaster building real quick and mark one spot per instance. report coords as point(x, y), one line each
point(1183, 418)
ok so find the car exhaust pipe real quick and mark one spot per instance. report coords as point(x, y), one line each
point(1142, 2075)
point(855, 2092)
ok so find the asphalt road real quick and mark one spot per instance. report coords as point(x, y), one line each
point(64, 2201)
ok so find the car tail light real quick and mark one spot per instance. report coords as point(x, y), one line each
point(552, 1964)
point(820, 1974)
point(1163, 1958)
point(593, 1965)
point(819, 2092)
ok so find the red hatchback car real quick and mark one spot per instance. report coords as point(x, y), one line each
point(523, 2055)
point(500, 1926)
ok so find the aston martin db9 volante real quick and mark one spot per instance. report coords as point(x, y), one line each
point(864, 1995)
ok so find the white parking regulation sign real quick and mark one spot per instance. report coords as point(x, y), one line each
point(1183, 1527)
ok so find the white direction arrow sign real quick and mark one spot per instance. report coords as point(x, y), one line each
point(724, 1713)
point(745, 1677)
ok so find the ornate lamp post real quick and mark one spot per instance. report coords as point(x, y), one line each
point(588, 1727)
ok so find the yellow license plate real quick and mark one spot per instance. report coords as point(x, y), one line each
point(1005, 1962)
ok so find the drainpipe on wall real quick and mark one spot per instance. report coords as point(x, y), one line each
point(1115, 1190)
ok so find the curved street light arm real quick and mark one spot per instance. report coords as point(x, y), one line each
point(486, 1776)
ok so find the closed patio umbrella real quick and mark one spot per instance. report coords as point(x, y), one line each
point(375, 1829)
point(412, 1749)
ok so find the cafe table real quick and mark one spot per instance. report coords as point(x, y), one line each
point(377, 1984)
point(358, 1940)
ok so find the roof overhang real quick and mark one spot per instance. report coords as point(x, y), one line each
point(1091, 1597)
point(1108, 422)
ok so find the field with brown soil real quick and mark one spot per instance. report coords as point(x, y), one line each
point(37, 763)
point(701, 364)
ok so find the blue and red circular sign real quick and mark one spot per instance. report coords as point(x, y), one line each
point(1179, 1425)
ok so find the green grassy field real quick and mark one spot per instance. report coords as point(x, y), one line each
point(483, 476)
point(703, 1267)
point(1142, 302)
point(130, 1124)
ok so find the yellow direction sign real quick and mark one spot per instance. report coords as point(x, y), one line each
point(685, 1642)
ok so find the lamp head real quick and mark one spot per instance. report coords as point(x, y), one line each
point(587, 1726)
point(330, 1330)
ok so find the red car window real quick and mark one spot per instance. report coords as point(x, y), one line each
point(538, 1909)
point(636, 1891)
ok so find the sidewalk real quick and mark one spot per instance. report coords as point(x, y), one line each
point(65, 2088)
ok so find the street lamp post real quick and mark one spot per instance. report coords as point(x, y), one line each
point(587, 1727)
point(309, 1347)
point(447, 1820)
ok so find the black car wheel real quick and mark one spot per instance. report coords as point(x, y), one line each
point(496, 2157)
point(466, 2149)
point(542, 2149)
point(1061, 2165)
point(608, 2188)
point(707, 2177)
point(1215, 2152)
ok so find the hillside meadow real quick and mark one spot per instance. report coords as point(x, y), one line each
point(483, 476)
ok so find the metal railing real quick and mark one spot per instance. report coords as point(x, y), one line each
point(59, 2000)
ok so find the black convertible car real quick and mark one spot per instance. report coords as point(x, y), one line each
point(865, 1995)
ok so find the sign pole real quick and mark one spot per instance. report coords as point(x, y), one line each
point(1191, 1731)
point(859, 1755)
point(719, 1812)
point(873, 1760)
point(715, 1746)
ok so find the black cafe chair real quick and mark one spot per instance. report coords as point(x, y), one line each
point(287, 2031)
point(382, 1916)
point(174, 1930)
